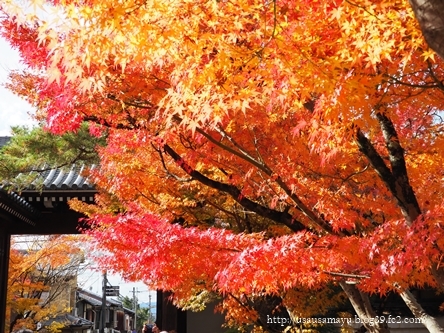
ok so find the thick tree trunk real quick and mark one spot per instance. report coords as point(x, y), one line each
point(430, 15)
point(438, 274)
point(428, 321)
point(361, 304)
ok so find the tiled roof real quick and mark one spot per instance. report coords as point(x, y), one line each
point(69, 321)
point(95, 299)
point(91, 300)
point(78, 321)
point(60, 179)
point(18, 200)
point(13, 203)
point(4, 140)
point(72, 179)
point(17, 206)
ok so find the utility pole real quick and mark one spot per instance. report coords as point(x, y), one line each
point(135, 308)
point(149, 308)
point(103, 312)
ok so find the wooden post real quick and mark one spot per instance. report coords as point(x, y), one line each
point(5, 244)
point(103, 312)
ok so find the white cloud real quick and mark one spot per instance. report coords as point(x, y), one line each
point(13, 110)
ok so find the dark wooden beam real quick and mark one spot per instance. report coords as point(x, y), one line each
point(5, 241)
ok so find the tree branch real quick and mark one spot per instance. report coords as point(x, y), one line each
point(317, 222)
point(396, 184)
point(402, 190)
point(360, 303)
point(274, 215)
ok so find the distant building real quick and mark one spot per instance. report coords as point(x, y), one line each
point(89, 306)
point(72, 324)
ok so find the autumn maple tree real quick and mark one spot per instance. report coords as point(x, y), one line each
point(42, 275)
point(255, 149)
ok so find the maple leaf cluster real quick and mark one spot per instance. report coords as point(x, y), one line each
point(253, 148)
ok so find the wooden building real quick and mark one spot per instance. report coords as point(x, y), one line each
point(72, 324)
point(117, 317)
point(45, 211)
point(38, 212)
